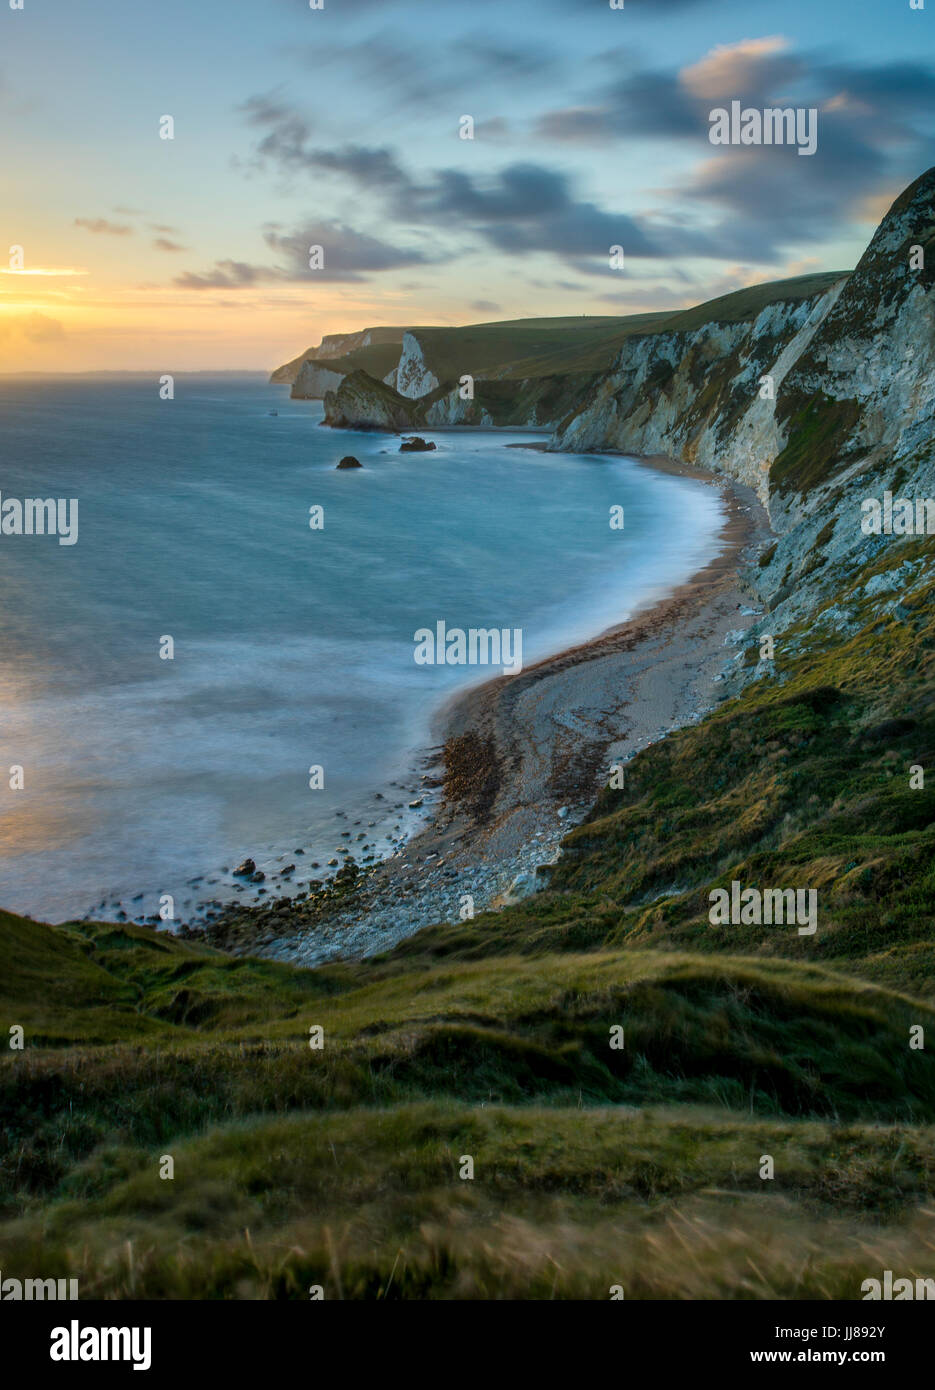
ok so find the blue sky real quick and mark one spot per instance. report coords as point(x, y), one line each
point(340, 127)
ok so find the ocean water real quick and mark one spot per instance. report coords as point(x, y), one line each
point(293, 647)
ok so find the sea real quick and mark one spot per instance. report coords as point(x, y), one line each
point(223, 663)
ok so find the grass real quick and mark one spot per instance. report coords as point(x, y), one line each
point(563, 1203)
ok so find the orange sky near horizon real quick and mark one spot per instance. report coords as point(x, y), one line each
point(63, 323)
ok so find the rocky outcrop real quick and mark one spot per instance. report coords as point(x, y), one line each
point(413, 378)
point(416, 445)
point(866, 379)
point(363, 403)
point(349, 461)
point(850, 417)
point(332, 347)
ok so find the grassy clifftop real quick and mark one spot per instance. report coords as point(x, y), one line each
point(523, 349)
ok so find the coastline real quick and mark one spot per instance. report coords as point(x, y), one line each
point(521, 758)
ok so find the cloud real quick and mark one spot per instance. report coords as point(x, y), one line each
point(505, 61)
point(741, 69)
point(224, 275)
point(162, 243)
point(773, 202)
point(349, 256)
point(287, 130)
point(406, 65)
point(35, 328)
point(370, 167)
point(751, 204)
point(485, 306)
point(759, 72)
point(525, 207)
point(494, 129)
point(646, 102)
point(529, 207)
point(101, 227)
point(286, 144)
point(871, 136)
point(43, 270)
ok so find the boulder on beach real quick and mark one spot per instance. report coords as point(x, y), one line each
point(245, 869)
point(416, 445)
point(349, 461)
point(523, 886)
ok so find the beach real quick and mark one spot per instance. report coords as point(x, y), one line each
point(517, 761)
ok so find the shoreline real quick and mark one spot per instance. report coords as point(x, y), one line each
point(521, 758)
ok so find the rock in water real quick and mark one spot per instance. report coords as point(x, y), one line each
point(415, 445)
point(246, 868)
point(349, 461)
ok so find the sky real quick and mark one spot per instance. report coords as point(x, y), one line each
point(340, 127)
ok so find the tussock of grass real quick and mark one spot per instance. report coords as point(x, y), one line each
point(564, 1202)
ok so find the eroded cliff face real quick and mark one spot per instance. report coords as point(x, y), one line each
point(855, 419)
point(312, 381)
point(331, 345)
point(706, 396)
point(804, 391)
point(362, 402)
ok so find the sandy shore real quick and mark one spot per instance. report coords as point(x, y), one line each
point(524, 756)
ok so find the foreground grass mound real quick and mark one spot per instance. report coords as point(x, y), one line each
point(563, 1202)
point(296, 1168)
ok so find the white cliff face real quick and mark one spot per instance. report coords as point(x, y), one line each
point(851, 372)
point(869, 361)
point(313, 381)
point(702, 395)
point(413, 378)
point(452, 410)
point(851, 417)
point(339, 344)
